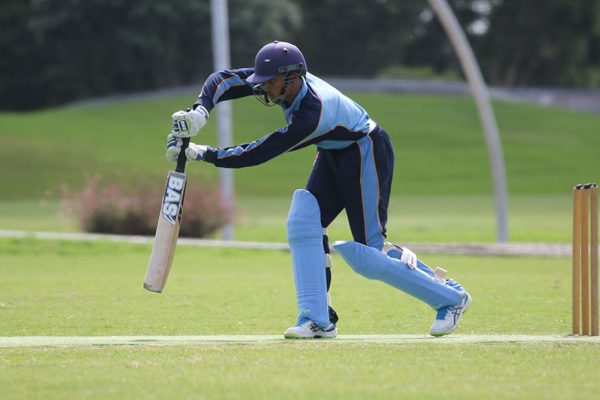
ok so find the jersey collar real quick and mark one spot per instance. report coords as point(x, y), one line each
point(296, 103)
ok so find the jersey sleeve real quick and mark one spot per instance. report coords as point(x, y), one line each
point(224, 85)
point(269, 146)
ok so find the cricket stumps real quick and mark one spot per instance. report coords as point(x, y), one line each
point(585, 259)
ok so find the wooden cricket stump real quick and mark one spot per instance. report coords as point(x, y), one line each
point(585, 259)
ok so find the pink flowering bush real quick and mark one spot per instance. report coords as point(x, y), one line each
point(108, 208)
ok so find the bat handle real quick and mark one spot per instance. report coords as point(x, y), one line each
point(182, 159)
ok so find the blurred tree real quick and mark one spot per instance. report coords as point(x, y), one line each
point(61, 50)
point(96, 47)
point(55, 51)
point(429, 45)
point(19, 62)
point(519, 42)
point(356, 38)
point(551, 43)
point(253, 23)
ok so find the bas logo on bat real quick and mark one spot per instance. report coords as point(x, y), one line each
point(172, 198)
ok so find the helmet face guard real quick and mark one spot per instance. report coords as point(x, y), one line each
point(274, 59)
point(261, 95)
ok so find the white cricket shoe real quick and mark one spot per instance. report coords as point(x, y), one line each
point(447, 318)
point(310, 330)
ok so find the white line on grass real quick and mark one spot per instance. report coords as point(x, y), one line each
point(36, 341)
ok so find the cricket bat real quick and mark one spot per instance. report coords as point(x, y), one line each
point(167, 228)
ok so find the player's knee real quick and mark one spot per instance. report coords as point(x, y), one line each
point(375, 240)
point(304, 218)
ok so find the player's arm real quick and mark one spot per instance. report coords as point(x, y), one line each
point(224, 85)
point(253, 153)
point(219, 86)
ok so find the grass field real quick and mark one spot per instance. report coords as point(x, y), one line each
point(442, 189)
point(56, 288)
point(450, 218)
point(442, 193)
point(438, 143)
point(63, 288)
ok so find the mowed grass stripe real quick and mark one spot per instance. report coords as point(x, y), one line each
point(40, 341)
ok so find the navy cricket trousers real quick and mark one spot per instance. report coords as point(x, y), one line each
point(357, 179)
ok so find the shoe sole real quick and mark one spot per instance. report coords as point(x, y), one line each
point(465, 309)
point(296, 336)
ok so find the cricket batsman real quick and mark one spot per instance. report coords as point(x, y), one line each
point(352, 172)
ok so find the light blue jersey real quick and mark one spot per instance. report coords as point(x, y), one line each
point(320, 115)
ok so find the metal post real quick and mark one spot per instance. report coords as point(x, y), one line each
point(486, 114)
point(220, 45)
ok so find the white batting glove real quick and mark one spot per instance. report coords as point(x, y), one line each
point(196, 152)
point(189, 123)
point(174, 144)
point(409, 258)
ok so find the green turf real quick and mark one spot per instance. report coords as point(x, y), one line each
point(438, 141)
point(442, 189)
point(450, 218)
point(36, 215)
point(63, 288)
point(442, 192)
point(532, 218)
point(303, 370)
point(56, 288)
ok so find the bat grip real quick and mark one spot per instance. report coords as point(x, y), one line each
point(181, 159)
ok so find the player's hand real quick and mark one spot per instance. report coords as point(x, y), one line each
point(174, 144)
point(409, 258)
point(194, 152)
point(189, 123)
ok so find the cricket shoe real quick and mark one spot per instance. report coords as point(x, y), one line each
point(333, 317)
point(447, 318)
point(310, 330)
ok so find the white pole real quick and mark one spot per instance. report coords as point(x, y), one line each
point(220, 46)
point(486, 114)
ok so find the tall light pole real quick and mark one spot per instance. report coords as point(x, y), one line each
point(484, 106)
point(220, 47)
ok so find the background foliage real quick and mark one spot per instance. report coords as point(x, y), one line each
point(105, 207)
point(56, 51)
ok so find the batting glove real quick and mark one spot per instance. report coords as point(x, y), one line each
point(409, 258)
point(189, 123)
point(194, 152)
point(174, 144)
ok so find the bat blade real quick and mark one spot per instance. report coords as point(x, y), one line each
point(167, 232)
